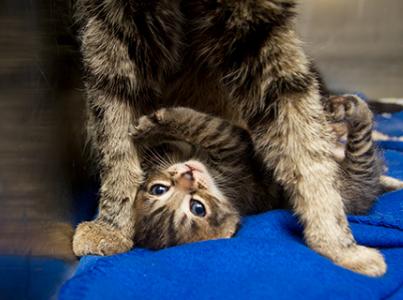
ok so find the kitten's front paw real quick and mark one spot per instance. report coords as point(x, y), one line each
point(362, 260)
point(97, 239)
point(147, 124)
point(143, 128)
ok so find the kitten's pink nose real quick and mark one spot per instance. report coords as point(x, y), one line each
point(186, 180)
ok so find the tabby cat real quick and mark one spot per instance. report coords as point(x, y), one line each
point(200, 192)
point(236, 59)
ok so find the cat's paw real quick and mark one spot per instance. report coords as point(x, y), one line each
point(349, 108)
point(145, 125)
point(160, 122)
point(92, 238)
point(363, 260)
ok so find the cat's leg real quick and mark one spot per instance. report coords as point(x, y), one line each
point(295, 144)
point(128, 47)
point(253, 46)
point(222, 140)
point(112, 230)
point(362, 165)
point(390, 184)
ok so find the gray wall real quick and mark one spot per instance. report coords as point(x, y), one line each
point(357, 44)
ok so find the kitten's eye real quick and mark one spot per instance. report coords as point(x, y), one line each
point(158, 189)
point(197, 208)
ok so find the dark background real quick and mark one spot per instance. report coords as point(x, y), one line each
point(44, 182)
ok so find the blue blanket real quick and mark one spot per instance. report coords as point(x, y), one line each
point(266, 260)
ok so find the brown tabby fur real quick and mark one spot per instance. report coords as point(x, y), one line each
point(237, 59)
point(227, 179)
point(167, 220)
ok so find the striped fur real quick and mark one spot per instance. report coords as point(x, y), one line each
point(167, 221)
point(238, 59)
point(231, 155)
point(240, 185)
point(362, 166)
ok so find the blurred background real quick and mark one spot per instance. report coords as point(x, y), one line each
point(44, 185)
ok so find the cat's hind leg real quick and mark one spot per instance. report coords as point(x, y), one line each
point(362, 166)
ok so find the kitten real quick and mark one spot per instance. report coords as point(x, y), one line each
point(236, 59)
point(201, 192)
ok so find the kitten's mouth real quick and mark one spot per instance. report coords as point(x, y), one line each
point(192, 169)
point(195, 166)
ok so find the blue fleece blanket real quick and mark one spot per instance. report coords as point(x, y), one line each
point(266, 260)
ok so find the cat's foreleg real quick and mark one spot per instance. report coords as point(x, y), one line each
point(295, 145)
point(112, 230)
point(270, 82)
point(128, 48)
point(221, 139)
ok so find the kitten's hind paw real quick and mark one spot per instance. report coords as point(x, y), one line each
point(92, 238)
point(349, 108)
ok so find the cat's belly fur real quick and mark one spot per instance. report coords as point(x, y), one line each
point(203, 93)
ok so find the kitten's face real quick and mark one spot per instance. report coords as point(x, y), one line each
point(181, 203)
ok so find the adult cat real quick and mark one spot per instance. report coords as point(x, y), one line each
point(237, 59)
